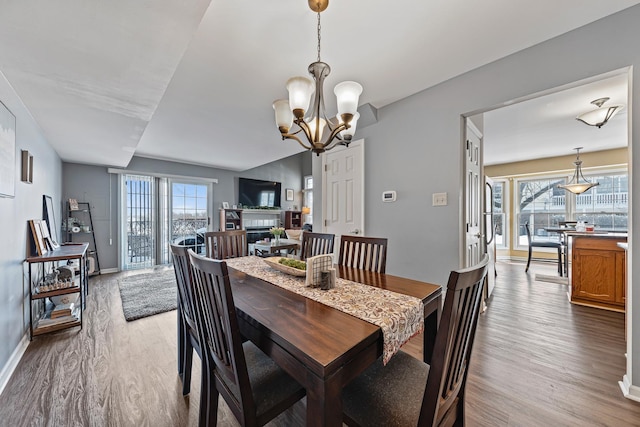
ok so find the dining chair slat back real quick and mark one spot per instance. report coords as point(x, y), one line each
point(408, 391)
point(226, 244)
point(253, 386)
point(316, 244)
point(187, 332)
point(365, 253)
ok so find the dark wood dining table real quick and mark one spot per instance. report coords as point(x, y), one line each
point(321, 347)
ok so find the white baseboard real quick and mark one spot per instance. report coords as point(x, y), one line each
point(12, 363)
point(628, 390)
point(108, 270)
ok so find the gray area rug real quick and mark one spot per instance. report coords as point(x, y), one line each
point(147, 294)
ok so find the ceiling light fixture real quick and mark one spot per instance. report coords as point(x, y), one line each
point(576, 186)
point(601, 115)
point(312, 122)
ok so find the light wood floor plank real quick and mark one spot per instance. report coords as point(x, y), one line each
point(537, 361)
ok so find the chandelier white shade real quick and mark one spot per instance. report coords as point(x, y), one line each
point(313, 122)
point(578, 183)
point(601, 115)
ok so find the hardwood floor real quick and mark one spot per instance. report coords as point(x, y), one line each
point(538, 361)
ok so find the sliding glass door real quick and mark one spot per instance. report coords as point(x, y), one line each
point(190, 214)
point(138, 247)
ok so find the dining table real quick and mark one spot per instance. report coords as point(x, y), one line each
point(322, 347)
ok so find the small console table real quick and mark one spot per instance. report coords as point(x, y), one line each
point(40, 317)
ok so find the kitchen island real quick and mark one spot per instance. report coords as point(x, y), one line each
point(598, 270)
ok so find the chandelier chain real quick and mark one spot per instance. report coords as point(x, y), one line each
point(318, 36)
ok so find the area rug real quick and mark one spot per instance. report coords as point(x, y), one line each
point(147, 294)
point(553, 279)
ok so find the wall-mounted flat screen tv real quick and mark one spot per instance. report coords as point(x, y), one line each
point(254, 193)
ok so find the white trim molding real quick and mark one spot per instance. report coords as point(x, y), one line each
point(13, 361)
point(160, 175)
point(630, 391)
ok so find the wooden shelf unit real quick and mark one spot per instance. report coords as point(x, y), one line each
point(230, 219)
point(74, 251)
point(292, 220)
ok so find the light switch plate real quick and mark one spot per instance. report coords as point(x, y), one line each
point(439, 199)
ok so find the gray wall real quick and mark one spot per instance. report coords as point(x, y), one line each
point(415, 147)
point(95, 185)
point(14, 213)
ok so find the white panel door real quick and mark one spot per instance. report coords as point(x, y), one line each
point(474, 190)
point(343, 190)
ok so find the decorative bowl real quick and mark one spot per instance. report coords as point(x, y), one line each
point(274, 262)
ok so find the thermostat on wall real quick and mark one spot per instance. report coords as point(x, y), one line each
point(389, 196)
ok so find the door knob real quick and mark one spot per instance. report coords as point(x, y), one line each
point(356, 231)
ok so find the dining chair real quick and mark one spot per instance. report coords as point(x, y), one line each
point(226, 244)
point(255, 388)
point(542, 244)
point(187, 333)
point(407, 391)
point(365, 253)
point(316, 244)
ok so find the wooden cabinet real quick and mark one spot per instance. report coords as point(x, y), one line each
point(598, 272)
point(292, 219)
point(230, 219)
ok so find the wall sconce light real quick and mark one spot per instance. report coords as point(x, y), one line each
point(27, 167)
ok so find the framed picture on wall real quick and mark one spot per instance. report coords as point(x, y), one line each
point(7, 152)
point(289, 194)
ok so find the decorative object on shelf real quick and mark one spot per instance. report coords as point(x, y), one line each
point(73, 205)
point(225, 205)
point(27, 167)
point(7, 152)
point(289, 194)
point(49, 215)
point(601, 115)
point(312, 122)
point(578, 183)
point(36, 234)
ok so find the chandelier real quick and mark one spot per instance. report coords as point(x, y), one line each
point(601, 115)
point(576, 186)
point(313, 123)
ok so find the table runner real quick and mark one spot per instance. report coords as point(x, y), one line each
point(399, 316)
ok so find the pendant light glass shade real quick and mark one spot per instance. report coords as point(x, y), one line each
point(578, 183)
point(600, 116)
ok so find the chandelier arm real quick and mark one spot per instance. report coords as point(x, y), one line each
point(334, 133)
point(304, 127)
point(294, 137)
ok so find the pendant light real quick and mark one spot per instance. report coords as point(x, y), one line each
point(320, 132)
point(578, 183)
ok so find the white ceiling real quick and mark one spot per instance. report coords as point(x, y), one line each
point(546, 126)
point(190, 81)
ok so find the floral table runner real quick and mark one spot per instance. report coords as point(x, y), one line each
point(399, 316)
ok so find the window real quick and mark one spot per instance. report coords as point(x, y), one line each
point(499, 214)
point(606, 206)
point(542, 204)
point(307, 190)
